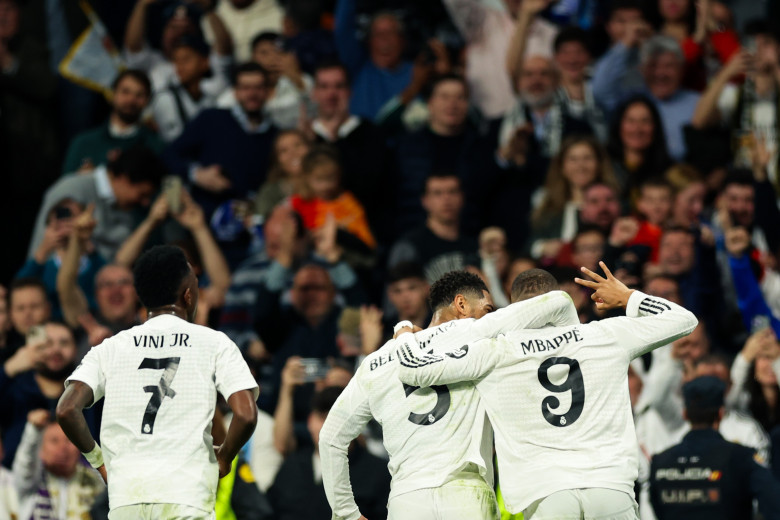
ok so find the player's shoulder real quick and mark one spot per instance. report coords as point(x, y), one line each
point(381, 362)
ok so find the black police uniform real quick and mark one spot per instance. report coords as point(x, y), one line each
point(706, 477)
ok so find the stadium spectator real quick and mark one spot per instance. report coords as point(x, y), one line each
point(407, 291)
point(748, 111)
point(571, 54)
point(34, 378)
point(662, 63)
point(323, 199)
point(178, 19)
point(48, 258)
point(124, 129)
point(306, 35)
point(225, 152)
point(116, 191)
point(284, 247)
point(378, 73)
point(244, 20)
point(9, 497)
point(488, 31)
point(289, 89)
point(689, 194)
point(27, 307)
point(298, 491)
point(306, 324)
point(183, 99)
point(627, 30)
point(438, 245)
point(361, 145)
point(580, 162)
point(587, 247)
point(448, 143)
point(539, 108)
point(206, 258)
point(51, 477)
point(754, 379)
point(637, 144)
point(285, 175)
point(115, 299)
point(301, 379)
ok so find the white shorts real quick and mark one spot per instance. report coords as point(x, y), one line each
point(467, 497)
point(159, 512)
point(587, 504)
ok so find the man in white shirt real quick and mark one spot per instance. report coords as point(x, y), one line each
point(160, 381)
point(558, 399)
point(438, 439)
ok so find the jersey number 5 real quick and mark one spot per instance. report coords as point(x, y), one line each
point(160, 391)
point(439, 410)
point(572, 382)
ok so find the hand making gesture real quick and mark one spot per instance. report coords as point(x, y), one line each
point(610, 293)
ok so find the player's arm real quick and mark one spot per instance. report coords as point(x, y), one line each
point(242, 425)
point(467, 363)
point(70, 415)
point(345, 421)
point(650, 322)
point(236, 384)
point(83, 389)
point(555, 308)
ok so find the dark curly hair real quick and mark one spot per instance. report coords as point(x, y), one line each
point(444, 290)
point(158, 275)
point(532, 283)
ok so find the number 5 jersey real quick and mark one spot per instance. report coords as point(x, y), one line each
point(160, 382)
point(433, 433)
point(557, 397)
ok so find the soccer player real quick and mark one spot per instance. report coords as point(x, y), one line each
point(160, 382)
point(558, 399)
point(438, 439)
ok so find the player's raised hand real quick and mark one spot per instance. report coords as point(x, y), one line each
point(610, 293)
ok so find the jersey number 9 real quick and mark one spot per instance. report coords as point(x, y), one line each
point(572, 382)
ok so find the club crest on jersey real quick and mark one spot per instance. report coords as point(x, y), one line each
point(458, 353)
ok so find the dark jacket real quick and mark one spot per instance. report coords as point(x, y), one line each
point(706, 477)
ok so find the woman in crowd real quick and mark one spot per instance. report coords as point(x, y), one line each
point(637, 145)
point(286, 175)
point(580, 162)
point(689, 192)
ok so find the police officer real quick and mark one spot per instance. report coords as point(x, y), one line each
point(705, 476)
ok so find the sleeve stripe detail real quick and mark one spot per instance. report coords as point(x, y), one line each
point(407, 358)
point(652, 304)
point(647, 310)
point(661, 303)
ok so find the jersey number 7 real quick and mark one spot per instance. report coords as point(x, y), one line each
point(159, 391)
point(572, 382)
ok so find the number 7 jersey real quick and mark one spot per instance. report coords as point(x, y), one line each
point(557, 397)
point(160, 382)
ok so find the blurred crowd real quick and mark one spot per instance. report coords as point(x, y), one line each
point(321, 162)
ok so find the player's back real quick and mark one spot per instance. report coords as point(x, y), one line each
point(161, 380)
point(431, 433)
point(559, 404)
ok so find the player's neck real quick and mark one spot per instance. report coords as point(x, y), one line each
point(175, 310)
point(442, 316)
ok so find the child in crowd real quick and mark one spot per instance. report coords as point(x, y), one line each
point(324, 196)
point(654, 208)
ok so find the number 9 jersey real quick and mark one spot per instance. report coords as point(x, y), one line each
point(558, 397)
point(431, 434)
point(160, 382)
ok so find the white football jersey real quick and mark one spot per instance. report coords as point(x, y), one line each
point(160, 382)
point(430, 433)
point(557, 397)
